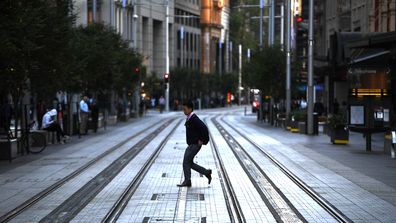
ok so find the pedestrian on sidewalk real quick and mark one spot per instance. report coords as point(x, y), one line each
point(197, 135)
point(162, 104)
point(51, 125)
point(84, 115)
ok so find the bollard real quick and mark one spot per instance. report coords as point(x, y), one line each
point(393, 155)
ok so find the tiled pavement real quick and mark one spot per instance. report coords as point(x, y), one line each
point(157, 199)
point(354, 201)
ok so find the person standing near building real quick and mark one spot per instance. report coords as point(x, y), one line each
point(197, 135)
point(162, 104)
point(84, 115)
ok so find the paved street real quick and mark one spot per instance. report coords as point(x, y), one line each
point(261, 173)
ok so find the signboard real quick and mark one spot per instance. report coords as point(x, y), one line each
point(357, 115)
point(394, 137)
point(369, 78)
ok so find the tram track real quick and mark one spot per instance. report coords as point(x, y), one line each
point(44, 193)
point(278, 204)
point(233, 207)
point(68, 209)
point(121, 203)
point(327, 206)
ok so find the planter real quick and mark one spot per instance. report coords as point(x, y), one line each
point(8, 149)
point(339, 136)
point(112, 120)
point(293, 126)
point(302, 127)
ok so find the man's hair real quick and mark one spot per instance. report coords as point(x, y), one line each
point(189, 104)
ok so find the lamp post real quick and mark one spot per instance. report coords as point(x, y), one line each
point(167, 54)
point(261, 23)
point(240, 75)
point(310, 69)
point(288, 57)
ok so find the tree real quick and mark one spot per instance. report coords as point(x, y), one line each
point(33, 38)
point(266, 71)
point(101, 60)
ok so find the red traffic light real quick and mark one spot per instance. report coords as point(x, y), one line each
point(166, 78)
point(299, 19)
point(137, 69)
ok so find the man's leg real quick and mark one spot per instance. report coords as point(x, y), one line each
point(195, 166)
point(54, 127)
point(188, 161)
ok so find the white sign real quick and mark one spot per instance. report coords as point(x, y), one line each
point(182, 32)
point(357, 115)
point(394, 137)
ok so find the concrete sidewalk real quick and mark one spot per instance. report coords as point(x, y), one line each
point(374, 164)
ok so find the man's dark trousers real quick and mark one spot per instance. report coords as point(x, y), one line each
point(188, 162)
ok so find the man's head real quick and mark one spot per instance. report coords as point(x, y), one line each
point(85, 98)
point(188, 107)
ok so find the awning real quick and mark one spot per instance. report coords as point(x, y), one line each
point(364, 54)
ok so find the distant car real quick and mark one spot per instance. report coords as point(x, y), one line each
point(255, 106)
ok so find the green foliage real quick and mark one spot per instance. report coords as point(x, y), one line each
point(192, 83)
point(41, 51)
point(298, 115)
point(33, 38)
point(337, 121)
point(101, 60)
point(266, 71)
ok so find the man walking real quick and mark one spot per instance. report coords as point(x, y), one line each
point(197, 135)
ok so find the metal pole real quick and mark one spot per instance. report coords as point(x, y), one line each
point(288, 57)
point(282, 27)
point(231, 67)
point(310, 68)
point(269, 21)
point(167, 55)
point(272, 20)
point(240, 75)
point(261, 23)
point(94, 10)
point(220, 58)
point(134, 36)
point(182, 46)
point(207, 52)
point(248, 89)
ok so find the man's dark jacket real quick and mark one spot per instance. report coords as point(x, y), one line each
point(195, 130)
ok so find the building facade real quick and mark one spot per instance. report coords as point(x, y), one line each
point(382, 16)
point(214, 38)
point(140, 22)
point(188, 34)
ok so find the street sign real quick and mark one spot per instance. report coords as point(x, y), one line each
point(394, 137)
point(124, 3)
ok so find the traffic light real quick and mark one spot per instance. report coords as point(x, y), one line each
point(137, 70)
point(299, 19)
point(166, 78)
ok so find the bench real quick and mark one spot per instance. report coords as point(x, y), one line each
point(46, 134)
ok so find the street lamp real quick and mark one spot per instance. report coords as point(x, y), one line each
point(167, 54)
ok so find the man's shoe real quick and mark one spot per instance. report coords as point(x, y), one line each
point(209, 176)
point(185, 184)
